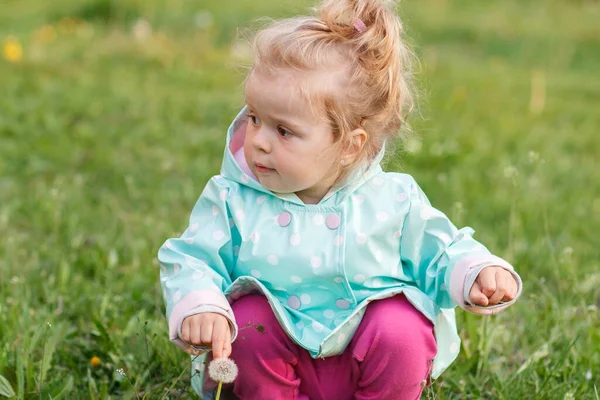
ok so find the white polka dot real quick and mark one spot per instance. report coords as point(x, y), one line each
point(198, 275)
point(376, 283)
point(300, 325)
point(316, 261)
point(194, 227)
point(427, 213)
point(328, 314)
point(295, 279)
point(295, 239)
point(189, 240)
point(231, 223)
point(218, 235)
point(305, 299)
point(318, 219)
point(163, 269)
point(341, 338)
point(338, 240)
point(244, 178)
point(261, 199)
point(223, 195)
point(294, 302)
point(378, 256)
point(454, 348)
point(361, 238)
point(397, 235)
point(254, 237)
point(236, 250)
point(317, 326)
point(359, 278)
point(401, 197)
point(272, 259)
point(176, 268)
point(215, 210)
point(169, 245)
point(194, 262)
point(176, 296)
point(359, 198)
point(255, 273)
point(240, 215)
point(342, 304)
point(377, 181)
point(338, 279)
point(443, 286)
point(382, 216)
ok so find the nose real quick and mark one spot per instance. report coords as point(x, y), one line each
point(261, 140)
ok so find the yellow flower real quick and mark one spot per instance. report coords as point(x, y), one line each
point(45, 34)
point(12, 49)
point(95, 361)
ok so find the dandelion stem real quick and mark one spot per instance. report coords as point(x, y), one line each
point(219, 390)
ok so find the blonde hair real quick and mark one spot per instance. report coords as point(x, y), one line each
point(373, 65)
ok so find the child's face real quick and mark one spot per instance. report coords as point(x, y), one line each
point(288, 148)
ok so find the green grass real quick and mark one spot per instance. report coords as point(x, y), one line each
point(106, 142)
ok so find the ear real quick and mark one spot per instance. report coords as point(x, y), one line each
point(356, 141)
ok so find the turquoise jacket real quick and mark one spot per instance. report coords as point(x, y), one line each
point(319, 266)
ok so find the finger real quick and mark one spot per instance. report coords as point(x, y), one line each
point(500, 291)
point(206, 331)
point(218, 339)
point(227, 344)
point(476, 296)
point(487, 281)
point(195, 330)
point(511, 288)
point(185, 330)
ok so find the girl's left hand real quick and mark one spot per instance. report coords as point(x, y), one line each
point(492, 286)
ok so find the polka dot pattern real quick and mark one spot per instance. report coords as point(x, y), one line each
point(284, 219)
point(317, 326)
point(294, 302)
point(333, 221)
point(328, 314)
point(305, 299)
point(215, 210)
point(254, 237)
point(189, 240)
point(295, 239)
point(218, 235)
point(361, 238)
point(272, 259)
point(342, 304)
point(454, 347)
point(255, 273)
point(316, 262)
point(296, 279)
point(382, 216)
point(261, 199)
point(194, 227)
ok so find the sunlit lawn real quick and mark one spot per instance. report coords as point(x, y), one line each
point(114, 116)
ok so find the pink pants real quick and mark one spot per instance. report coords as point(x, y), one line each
point(389, 357)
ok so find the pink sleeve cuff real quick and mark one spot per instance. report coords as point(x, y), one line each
point(464, 274)
point(196, 302)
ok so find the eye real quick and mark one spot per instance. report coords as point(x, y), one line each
point(255, 120)
point(284, 132)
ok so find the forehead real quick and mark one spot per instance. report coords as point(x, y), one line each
point(287, 91)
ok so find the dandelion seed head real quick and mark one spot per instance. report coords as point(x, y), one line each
point(222, 370)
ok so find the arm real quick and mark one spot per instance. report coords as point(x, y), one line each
point(445, 262)
point(196, 268)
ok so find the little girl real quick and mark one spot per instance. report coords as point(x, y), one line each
point(320, 275)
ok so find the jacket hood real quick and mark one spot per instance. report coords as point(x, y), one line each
point(234, 168)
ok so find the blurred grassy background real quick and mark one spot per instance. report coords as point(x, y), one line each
point(113, 116)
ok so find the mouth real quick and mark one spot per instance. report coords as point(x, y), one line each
point(263, 169)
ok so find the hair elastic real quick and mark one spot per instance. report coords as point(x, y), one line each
point(359, 25)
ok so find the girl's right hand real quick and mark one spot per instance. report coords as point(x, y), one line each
point(208, 329)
